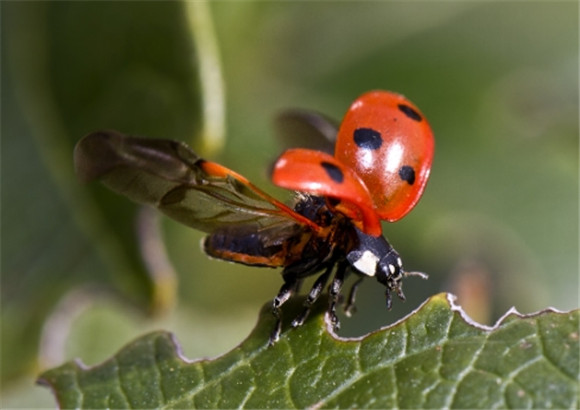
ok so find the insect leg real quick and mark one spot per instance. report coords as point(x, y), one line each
point(286, 291)
point(349, 307)
point(313, 296)
point(334, 291)
point(388, 299)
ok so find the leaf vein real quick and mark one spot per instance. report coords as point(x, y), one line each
point(245, 360)
point(77, 384)
point(547, 357)
point(158, 372)
point(122, 390)
point(462, 374)
point(247, 397)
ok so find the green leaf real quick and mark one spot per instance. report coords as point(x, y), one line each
point(436, 357)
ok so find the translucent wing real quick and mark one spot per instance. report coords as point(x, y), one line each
point(306, 129)
point(170, 176)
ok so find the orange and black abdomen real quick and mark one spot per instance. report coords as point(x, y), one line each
point(252, 246)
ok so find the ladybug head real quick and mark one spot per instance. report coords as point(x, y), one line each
point(374, 256)
point(390, 273)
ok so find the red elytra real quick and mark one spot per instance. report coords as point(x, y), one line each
point(388, 143)
point(384, 151)
point(321, 174)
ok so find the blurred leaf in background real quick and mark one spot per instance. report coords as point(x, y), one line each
point(72, 68)
point(498, 223)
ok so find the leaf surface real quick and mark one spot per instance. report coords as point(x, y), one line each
point(435, 358)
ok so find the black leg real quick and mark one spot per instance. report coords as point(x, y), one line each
point(313, 296)
point(334, 291)
point(349, 307)
point(388, 299)
point(286, 291)
point(400, 293)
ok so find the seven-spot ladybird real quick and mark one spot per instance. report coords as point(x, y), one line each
point(383, 153)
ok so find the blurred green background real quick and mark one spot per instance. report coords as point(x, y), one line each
point(497, 225)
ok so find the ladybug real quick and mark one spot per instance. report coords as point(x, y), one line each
point(383, 151)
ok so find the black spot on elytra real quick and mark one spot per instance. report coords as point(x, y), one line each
point(367, 138)
point(333, 171)
point(410, 112)
point(407, 173)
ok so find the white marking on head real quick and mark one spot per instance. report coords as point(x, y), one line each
point(392, 268)
point(399, 262)
point(367, 263)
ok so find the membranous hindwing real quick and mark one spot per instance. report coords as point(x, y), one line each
point(170, 176)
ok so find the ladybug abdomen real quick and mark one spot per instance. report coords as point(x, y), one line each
point(250, 245)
